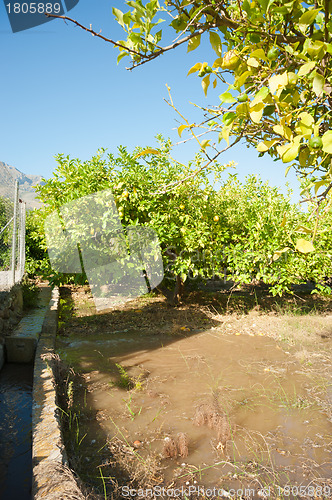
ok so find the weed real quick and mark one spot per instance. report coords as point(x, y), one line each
point(103, 481)
point(160, 410)
point(30, 292)
point(133, 414)
point(125, 381)
point(290, 402)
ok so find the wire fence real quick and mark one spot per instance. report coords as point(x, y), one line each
point(12, 235)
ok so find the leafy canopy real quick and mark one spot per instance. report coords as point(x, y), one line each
point(273, 63)
point(207, 227)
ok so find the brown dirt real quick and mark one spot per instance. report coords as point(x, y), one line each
point(265, 417)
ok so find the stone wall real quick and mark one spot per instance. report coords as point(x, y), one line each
point(11, 306)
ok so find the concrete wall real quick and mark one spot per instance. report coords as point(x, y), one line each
point(52, 478)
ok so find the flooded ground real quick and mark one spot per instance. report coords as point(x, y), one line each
point(243, 402)
point(15, 431)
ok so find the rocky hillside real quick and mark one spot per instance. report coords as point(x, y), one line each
point(9, 174)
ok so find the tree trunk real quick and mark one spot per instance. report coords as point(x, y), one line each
point(173, 296)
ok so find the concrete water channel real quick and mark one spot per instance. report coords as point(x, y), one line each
point(16, 402)
point(15, 431)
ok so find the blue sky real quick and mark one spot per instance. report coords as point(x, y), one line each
point(62, 92)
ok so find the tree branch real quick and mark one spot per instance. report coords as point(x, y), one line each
point(326, 20)
point(173, 185)
point(94, 33)
point(321, 196)
point(170, 47)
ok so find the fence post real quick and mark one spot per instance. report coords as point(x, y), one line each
point(14, 232)
point(22, 238)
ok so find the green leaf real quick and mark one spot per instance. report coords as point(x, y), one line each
point(327, 142)
point(242, 79)
point(265, 145)
point(305, 125)
point(136, 6)
point(287, 170)
point(148, 151)
point(205, 84)
point(205, 143)
point(227, 97)
point(291, 153)
point(256, 112)
point(121, 55)
point(195, 68)
point(194, 43)
point(306, 68)
point(278, 253)
point(261, 95)
point(242, 109)
point(284, 131)
point(259, 54)
point(217, 63)
point(253, 62)
point(278, 82)
point(308, 17)
point(119, 16)
point(228, 118)
point(318, 84)
point(284, 220)
point(304, 246)
point(304, 155)
point(215, 42)
point(225, 134)
point(302, 229)
point(181, 129)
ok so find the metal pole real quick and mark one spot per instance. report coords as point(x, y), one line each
point(14, 231)
point(22, 239)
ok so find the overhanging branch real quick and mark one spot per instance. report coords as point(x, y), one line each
point(94, 33)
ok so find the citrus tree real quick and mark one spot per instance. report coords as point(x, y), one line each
point(272, 61)
point(263, 237)
point(207, 225)
point(139, 181)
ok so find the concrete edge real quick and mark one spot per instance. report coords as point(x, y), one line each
point(52, 478)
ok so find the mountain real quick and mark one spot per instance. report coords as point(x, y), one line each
point(9, 174)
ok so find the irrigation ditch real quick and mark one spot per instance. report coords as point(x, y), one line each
point(33, 461)
point(227, 392)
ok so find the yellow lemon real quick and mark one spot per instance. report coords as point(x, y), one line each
point(216, 218)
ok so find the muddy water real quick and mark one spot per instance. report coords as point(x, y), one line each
point(261, 390)
point(15, 431)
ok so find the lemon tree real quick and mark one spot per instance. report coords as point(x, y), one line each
point(272, 61)
point(210, 225)
point(139, 181)
point(262, 237)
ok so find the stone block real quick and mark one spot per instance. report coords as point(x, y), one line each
point(2, 356)
point(20, 349)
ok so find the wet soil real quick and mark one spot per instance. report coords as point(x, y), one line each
point(200, 395)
